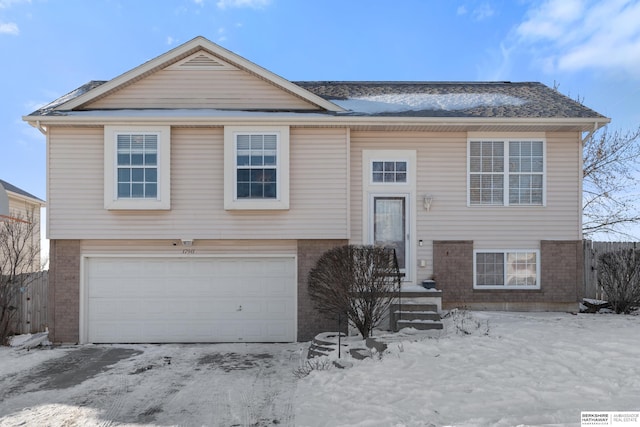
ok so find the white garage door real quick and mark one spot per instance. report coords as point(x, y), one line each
point(156, 300)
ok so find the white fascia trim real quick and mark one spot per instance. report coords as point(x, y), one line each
point(300, 119)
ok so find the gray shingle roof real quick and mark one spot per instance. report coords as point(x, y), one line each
point(539, 101)
point(536, 99)
point(13, 188)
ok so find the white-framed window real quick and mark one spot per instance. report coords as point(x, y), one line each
point(506, 172)
point(137, 167)
point(256, 167)
point(389, 171)
point(506, 269)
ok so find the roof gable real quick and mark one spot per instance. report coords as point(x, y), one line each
point(206, 63)
point(10, 188)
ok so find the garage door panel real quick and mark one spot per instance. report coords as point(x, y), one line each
point(191, 299)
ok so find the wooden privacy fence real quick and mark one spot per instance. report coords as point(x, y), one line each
point(33, 306)
point(592, 252)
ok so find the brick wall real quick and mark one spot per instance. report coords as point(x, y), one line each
point(561, 282)
point(64, 291)
point(310, 321)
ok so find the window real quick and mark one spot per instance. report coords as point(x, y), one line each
point(388, 171)
point(256, 167)
point(137, 163)
point(514, 168)
point(137, 174)
point(506, 269)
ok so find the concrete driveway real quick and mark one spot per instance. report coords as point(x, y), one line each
point(160, 385)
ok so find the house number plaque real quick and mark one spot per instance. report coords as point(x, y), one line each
point(188, 251)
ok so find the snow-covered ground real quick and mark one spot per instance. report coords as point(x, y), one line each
point(512, 369)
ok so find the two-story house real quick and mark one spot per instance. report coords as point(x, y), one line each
point(189, 197)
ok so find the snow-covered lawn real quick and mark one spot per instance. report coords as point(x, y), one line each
point(514, 369)
point(528, 369)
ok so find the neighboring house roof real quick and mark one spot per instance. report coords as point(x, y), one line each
point(12, 188)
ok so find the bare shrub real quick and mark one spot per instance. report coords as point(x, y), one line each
point(317, 364)
point(358, 281)
point(619, 277)
point(19, 256)
point(466, 324)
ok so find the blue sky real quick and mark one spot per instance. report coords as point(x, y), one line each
point(590, 49)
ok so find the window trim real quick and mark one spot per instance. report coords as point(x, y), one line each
point(505, 252)
point(506, 172)
point(111, 200)
point(231, 202)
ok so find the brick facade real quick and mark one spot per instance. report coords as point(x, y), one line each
point(310, 320)
point(561, 282)
point(64, 291)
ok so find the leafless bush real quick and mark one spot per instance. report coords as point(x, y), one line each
point(19, 256)
point(466, 324)
point(619, 277)
point(316, 364)
point(359, 281)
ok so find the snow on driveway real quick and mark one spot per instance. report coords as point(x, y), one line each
point(513, 369)
point(211, 385)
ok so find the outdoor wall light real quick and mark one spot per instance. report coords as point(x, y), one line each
point(187, 242)
point(428, 199)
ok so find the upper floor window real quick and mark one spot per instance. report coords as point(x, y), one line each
point(137, 163)
point(506, 173)
point(256, 167)
point(137, 160)
point(388, 171)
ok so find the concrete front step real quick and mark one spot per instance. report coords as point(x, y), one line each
point(422, 316)
point(410, 306)
point(421, 325)
point(417, 315)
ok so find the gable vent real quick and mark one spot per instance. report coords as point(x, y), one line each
point(201, 61)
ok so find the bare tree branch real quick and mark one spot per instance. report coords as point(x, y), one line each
point(610, 178)
point(19, 256)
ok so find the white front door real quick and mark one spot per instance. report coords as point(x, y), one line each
point(390, 226)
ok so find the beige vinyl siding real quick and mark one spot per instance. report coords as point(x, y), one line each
point(221, 89)
point(201, 247)
point(318, 194)
point(442, 172)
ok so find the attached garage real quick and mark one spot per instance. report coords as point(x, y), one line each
point(189, 299)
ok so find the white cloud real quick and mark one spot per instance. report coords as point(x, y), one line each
point(199, 2)
point(573, 35)
point(5, 4)
point(483, 12)
point(170, 40)
point(479, 13)
point(253, 4)
point(9, 28)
